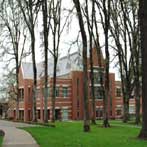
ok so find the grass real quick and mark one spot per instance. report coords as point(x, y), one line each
point(1, 141)
point(70, 134)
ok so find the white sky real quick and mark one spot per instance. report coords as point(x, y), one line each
point(68, 36)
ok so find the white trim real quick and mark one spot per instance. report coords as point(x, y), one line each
point(65, 107)
point(96, 66)
point(99, 99)
point(99, 106)
point(118, 106)
point(118, 87)
point(64, 102)
point(96, 85)
point(20, 87)
point(65, 85)
point(132, 105)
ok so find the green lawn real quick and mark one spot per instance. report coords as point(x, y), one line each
point(1, 141)
point(70, 134)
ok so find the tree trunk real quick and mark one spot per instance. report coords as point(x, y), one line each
point(106, 30)
point(45, 31)
point(92, 87)
point(143, 29)
point(137, 119)
point(54, 90)
point(34, 75)
point(90, 31)
point(86, 126)
point(126, 109)
point(17, 84)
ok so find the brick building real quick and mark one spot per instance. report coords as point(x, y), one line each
point(69, 90)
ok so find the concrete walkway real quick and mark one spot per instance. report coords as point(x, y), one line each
point(15, 137)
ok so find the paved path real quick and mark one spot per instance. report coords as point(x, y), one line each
point(15, 137)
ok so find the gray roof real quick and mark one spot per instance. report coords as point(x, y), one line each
point(66, 64)
point(27, 70)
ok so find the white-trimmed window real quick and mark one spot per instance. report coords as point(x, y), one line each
point(132, 109)
point(21, 93)
point(65, 91)
point(38, 93)
point(118, 92)
point(48, 91)
point(57, 92)
point(98, 92)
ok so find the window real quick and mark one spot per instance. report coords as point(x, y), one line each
point(132, 109)
point(29, 94)
point(99, 112)
point(65, 91)
point(118, 92)
point(48, 91)
point(57, 92)
point(77, 86)
point(78, 104)
point(97, 78)
point(21, 94)
point(98, 92)
point(98, 75)
point(37, 93)
point(38, 114)
point(132, 97)
point(78, 115)
point(118, 112)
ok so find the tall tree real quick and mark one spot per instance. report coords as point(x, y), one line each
point(13, 27)
point(143, 29)
point(55, 25)
point(46, 9)
point(57, 28)
point(136, 55)
point(104, 11)
point(85, 76)
point(30, 9)
point(106, 6)
point(125, 35)
point(89, 14)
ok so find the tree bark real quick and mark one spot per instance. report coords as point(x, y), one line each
point(34, 75)
point(86, 126)
point(143, 29)
point(45, 31)
point(17, 82)
point(54, 90)
point(106, 30)
point(91, 49)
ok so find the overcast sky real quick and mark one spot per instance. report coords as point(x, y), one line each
point(69, 35)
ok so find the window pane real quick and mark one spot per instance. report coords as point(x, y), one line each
point(98, 77)
point(21, 93)
point(37, 93)
point(118, 92)
point(48, 91)
point(65, 91)
point(57, 92)
point(98, 92)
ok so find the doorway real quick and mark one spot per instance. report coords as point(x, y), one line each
point(65, 114)
point(57, 114)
